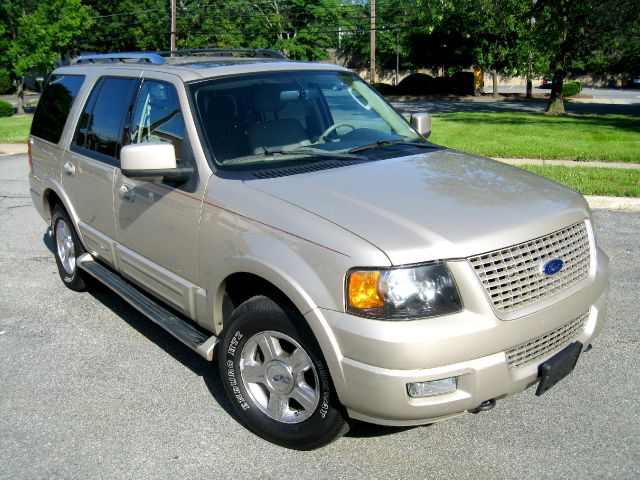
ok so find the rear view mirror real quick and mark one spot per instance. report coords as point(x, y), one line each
point(153, 159)
point(422, 123)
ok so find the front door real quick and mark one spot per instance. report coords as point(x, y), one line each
point(158, 221)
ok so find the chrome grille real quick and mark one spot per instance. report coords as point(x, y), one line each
point(544, 344)
point(512, 276)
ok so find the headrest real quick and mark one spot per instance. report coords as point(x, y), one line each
point(221, 105)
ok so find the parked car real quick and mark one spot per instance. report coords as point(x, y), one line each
point(35, 83)
point(281, 218)
point(546, 83)
point(633, 82)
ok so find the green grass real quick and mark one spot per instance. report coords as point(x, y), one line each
point(610, 138)
point(611, 182)
point(15, 129)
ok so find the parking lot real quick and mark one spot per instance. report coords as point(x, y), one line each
point(91, 389)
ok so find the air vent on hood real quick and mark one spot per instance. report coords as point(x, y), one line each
point(287, 171)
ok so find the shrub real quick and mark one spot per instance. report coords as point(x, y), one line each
point(416, 84)
point(571, 88)
point(6, 109)
point(384, 88)
point(5, 81)
point(461, 83)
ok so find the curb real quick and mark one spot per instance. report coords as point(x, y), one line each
point(625, 204)
point(568, 163)
point(13, 148)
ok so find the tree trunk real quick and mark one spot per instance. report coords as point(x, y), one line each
point(529, 88)
point(556, 100)
point(494, 74)
point(20, 92)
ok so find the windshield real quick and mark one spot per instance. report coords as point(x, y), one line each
point(251, 118)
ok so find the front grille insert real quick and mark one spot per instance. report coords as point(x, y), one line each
point(513, 278)
point(547, 343)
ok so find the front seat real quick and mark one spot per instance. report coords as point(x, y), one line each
point(271, 132)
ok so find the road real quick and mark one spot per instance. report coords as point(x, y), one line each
point(90, 389)
point(606, 94)
point(489, 105)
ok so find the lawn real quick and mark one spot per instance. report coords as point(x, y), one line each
point(613, 182)
point(610, 138)
point(15, 129)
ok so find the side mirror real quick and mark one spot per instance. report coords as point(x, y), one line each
point(152, 160)
point(422, 123)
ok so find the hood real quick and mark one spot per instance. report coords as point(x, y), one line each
point(438, 205)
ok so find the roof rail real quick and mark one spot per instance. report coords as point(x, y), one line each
point(140, 57)
point(226, 52)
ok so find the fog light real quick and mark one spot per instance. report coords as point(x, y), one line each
point(434, 387)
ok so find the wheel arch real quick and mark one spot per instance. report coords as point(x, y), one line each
point(247, 277)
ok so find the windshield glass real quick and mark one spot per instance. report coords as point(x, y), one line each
point(251, 118)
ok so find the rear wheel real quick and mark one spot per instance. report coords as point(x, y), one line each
point(276, 378)
point(67, 248)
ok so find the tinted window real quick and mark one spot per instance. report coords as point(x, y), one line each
point(157, 117)
point(54, 105)
point(101, 123)
point(267, 117)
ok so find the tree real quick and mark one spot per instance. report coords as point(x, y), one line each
point(127, 25)
point(586, 36)
point(393, 19)
point(40, 33)
point(502, 37)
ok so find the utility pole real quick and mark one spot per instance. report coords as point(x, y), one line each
point(397, 54)
point(172, 42)
point(372, 62)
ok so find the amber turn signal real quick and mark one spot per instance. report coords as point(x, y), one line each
point(363, 290)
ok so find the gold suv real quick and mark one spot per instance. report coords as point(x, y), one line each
point(282, 218)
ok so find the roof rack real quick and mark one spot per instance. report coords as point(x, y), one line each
point(140, 57)
point(158, 58)
point(226, 52)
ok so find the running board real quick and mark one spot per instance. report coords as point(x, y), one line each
point(193, 337)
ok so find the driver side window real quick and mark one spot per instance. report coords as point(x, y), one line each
point(157, 117)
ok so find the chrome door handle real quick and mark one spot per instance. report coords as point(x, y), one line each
point(127, 193)
point(69, 169)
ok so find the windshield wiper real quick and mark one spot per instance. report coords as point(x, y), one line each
point(307, 152)
point(386, 143)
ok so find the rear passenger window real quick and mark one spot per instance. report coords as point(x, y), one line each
point(54, 106)
point(102, 121)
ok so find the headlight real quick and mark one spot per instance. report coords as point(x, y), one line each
point(402, 293)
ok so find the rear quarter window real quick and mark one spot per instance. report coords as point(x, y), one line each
point(54, 106)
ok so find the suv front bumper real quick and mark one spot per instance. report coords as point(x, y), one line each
point(371, 362)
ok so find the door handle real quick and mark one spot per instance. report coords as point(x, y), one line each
point(127, 193)
point(69, 169)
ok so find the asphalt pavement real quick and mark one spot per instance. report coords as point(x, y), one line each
point(409, 105)
point(91, 389)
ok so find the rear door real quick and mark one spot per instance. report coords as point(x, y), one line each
point(90, 165)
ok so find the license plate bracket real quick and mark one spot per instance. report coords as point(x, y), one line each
point(558, 367)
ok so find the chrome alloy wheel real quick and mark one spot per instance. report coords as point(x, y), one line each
point(66, 247)
point(280, 377)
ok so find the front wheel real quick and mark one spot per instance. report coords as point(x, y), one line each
point(276, 378)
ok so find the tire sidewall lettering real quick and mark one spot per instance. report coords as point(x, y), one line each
point(233, 373)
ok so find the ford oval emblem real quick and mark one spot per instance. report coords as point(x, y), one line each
point(552, 267)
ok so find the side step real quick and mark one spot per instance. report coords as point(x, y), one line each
point(193, 337)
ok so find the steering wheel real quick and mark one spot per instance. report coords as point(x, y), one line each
point(332, 129)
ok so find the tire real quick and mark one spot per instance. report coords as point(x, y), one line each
point(67, 248)
point(276, 379)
